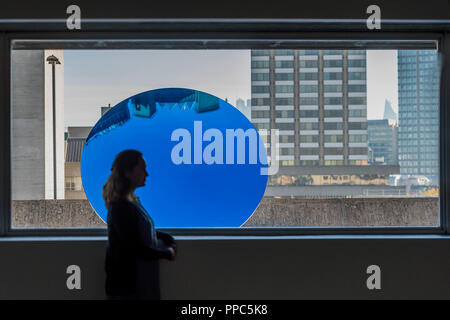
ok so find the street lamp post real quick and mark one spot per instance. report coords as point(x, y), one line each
point(54, 60)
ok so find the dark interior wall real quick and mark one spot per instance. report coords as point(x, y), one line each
point(306, 9)
point(289, 268)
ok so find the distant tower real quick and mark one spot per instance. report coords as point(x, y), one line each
point(383, 141)
point(245, 110)
point(388, 111)
point(240, 104)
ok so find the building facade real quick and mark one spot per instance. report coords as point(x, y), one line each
point(317, 99)
point(418, 96)
point(382, 135)
point(34, 160)
point(75, 138)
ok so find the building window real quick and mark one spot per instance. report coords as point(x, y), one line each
point(308, 63)
point(73, 184)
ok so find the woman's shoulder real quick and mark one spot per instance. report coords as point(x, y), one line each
point(120, 204)
point(121, 211)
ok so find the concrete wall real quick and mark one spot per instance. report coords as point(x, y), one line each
point(54, 214)
point(32, 125)
point(270, 212)
point(346, 212)
point(27, 124)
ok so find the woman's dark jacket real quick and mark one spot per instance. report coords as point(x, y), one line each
point(130, 240)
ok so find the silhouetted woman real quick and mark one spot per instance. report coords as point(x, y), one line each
point(134, 246)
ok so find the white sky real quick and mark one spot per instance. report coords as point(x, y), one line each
point(382, 81)
point(94, 78)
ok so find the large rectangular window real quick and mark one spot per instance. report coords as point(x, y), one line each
point(358, 125)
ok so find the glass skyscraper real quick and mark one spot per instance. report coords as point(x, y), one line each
point(383, 141)
point(418, 96)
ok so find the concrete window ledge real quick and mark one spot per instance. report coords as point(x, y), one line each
point(228, 238)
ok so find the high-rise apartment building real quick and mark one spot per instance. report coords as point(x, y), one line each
point(418, 106)
point(318, 101)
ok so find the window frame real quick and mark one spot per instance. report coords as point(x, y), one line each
point(232, 39)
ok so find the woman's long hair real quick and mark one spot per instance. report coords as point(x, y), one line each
point(118, 186)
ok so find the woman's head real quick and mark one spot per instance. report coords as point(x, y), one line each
point(128, 172)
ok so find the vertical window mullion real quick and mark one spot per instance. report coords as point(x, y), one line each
point(5, 142)
point(444, 50)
